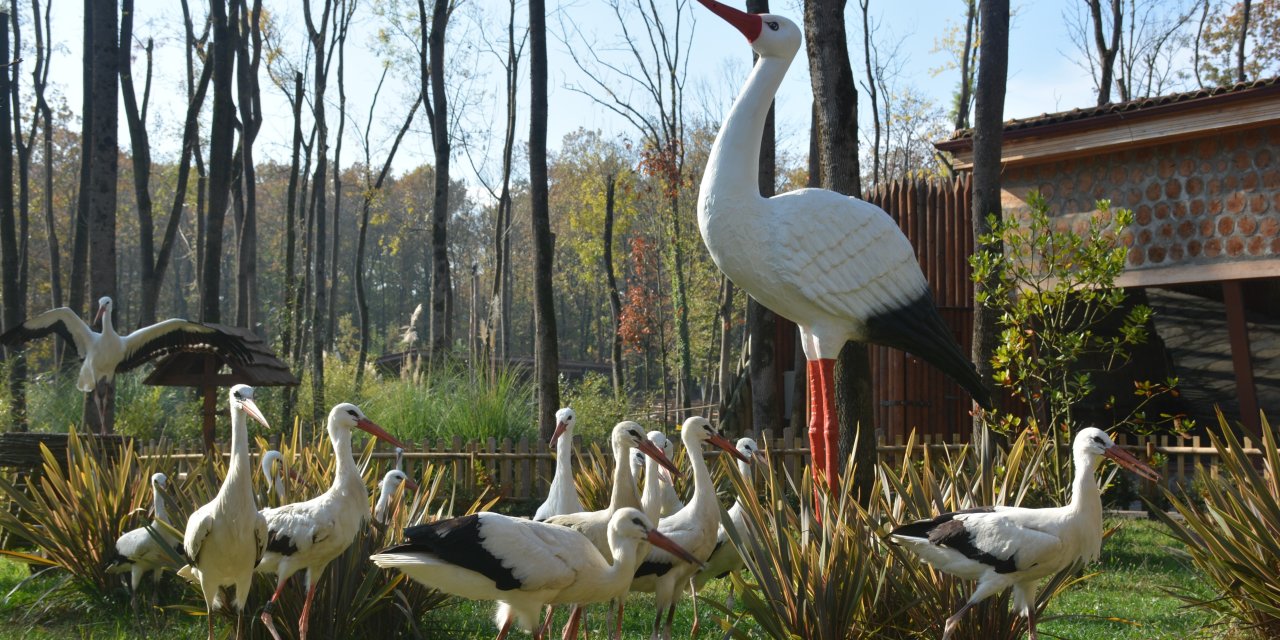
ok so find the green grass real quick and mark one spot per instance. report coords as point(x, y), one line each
point(1127, 597)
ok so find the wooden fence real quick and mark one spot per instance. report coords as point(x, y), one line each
point(909, 393)
point(522, 470)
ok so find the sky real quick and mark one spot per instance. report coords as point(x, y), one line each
point(1042, 75)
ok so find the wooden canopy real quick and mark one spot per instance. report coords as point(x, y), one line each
point(210, 370)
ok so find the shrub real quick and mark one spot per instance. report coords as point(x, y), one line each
point(1232, 531)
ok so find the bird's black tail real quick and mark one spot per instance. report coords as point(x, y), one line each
point(918, 328)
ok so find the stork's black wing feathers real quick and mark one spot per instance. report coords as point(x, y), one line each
point(654, 568)
point(25, 332)
point(946, 531)
point(185, 336)
point(458, 541)
point(280, 543)
point(918, 328)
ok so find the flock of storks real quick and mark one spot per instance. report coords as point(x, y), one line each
point(837, 266)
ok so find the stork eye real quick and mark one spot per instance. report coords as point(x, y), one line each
point(352, 412)
point(773, 25)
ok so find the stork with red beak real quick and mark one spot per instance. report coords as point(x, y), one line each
point(306, 536)
point(562, 497)
point(837, 266)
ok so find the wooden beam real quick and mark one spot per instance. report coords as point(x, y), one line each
point(1241, 358)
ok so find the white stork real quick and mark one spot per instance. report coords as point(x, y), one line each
point(387, 490)
point(1004, 547)
point(658, 496)
point(274, 477)
point(225, 538)
point(522, 563)
point(308, 535)
point(562, 497)
point(693, 527)
point(626, 435)
point(726, 557)
point(140, 550)
point(839, 267)
point(108, 352)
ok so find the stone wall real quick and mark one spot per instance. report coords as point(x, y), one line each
point(1203, 201)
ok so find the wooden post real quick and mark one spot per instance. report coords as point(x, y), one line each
point(1238, 333)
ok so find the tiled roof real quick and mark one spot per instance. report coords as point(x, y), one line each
point(1122, 109)
point(263, 369)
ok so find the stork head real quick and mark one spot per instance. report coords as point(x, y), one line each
point(770, 35)
point(628, 435)
point(697, 431)
point(269, 460)
point(104, 308)
point(158, 480)
point(242, 400)
point(630, 524)
point(347, 416)
point(1094, 443)
point(564, 425)
point(661, 441)
point(395, 478)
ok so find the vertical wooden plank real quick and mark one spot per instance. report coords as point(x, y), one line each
point(523, 479)
point(1241, 358)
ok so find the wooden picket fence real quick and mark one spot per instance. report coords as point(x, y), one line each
point(522, 470)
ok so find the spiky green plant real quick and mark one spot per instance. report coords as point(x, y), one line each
point(1232, 531)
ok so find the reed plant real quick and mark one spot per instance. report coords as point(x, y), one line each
point(1231, 529)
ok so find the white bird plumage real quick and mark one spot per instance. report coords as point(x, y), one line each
point(225, 538)
point(837, 266)
point(140, 551)
point(522, 563)
point(273, 476)
point(108, 352)
point(726, 558)
point(660, 498)
point(562, 496)
point(693, 527)
point(387, 490)
point(1004, 547)
point(306, 536)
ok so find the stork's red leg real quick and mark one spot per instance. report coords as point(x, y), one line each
point(817, 421)
point(268, 610)
point(832, 427)
point(305, 623)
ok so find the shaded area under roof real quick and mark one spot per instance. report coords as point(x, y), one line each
point(202, 368)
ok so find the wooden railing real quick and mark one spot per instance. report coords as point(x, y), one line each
point(522, 470)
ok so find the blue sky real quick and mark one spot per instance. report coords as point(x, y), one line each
point(1042, 76)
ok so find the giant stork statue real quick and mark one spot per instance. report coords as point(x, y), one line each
point(835, 265)
point(108, 352)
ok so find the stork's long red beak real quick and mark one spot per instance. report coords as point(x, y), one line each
point(409, 484)
point(722, 442)
point(370, 427)
point(749, 24)
point(650, 449)
point(667, 544)
point(1126, 460)
point(250, 407)
point(102, 310)
point(560, 427)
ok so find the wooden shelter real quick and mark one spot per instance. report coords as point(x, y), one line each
point(208, 371)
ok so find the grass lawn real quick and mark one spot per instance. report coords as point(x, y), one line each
point(1126, 598)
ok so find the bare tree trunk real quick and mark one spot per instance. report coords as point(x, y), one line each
point(726, 373)
point(1106, 52)
point(1244, 35)
point(80, 228)
point(292, 307)
point(103, 158)
point(318, 336)
point(611, 279)
point(221, 139)
point(248, 307)
point(432, 65)
point(135, 112)
point(344, 22)
point(876, 171)
point(988, 136)
point(500, 307)
point(44, 47)
point(837, 107)
point(547, 344)
point(14, 296)
point(22, 151)
point(966, 74)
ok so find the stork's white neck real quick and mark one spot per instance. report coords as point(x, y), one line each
point(239, 477)
point(346, 475)
point(564, 456)
point(108, 329)
point(384, 500)
point(624, 492)
point(651, 501)
point(161, 514)
point(704, 492)
point(733, 166)
point(1085, 495)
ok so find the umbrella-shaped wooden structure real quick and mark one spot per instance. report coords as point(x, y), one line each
point(208, 371)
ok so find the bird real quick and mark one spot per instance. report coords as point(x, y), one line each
point(142, 550)
point(1004, 547)
point(226, 537)
point(108, 352)
point(273, 477)
point(693, 527)
point(726, 558)
point(562, 497)
point(308, 535)
point(658, 497)
point(837, 266)
point(399, 458)
point(626, 435)
point(387, 489)
point(524, 564)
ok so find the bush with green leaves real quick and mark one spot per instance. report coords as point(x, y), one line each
point(1231, 527)
point(1062, 320)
